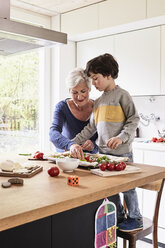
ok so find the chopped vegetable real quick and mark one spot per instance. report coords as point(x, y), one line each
point(25, 154)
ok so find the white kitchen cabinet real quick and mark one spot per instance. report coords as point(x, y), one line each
point(138, 55)
point(110, 13)
point(156, 158)
point(79, 21)
point(89, 49)
point(163, 59)
point(155, 8)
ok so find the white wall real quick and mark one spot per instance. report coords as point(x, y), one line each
point(63, 61)
point(147, 106)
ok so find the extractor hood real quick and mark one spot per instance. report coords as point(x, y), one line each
point(16, 37)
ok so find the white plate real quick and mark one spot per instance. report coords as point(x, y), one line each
point(81, 163)
point(51, 158)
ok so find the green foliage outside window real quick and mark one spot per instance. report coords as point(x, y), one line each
point(19, 91)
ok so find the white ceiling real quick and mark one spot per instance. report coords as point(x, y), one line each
point(52, 7)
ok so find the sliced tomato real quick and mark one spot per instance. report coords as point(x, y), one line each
point(90, 159)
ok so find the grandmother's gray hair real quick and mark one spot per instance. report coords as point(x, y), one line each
point(76, 76)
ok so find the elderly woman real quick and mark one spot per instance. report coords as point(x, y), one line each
point(72, 114)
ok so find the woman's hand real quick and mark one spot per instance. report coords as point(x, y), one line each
point(113, 142)
point(76, 151)
point(88, 145)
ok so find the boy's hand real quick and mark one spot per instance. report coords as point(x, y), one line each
point(87, 145)
point(114, 142)
point(76, 151)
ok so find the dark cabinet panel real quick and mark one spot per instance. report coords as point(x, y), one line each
point(75, 228)
point(36, 234)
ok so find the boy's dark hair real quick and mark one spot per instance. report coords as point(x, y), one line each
point(104, 64)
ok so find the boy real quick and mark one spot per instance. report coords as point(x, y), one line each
point(115, 119)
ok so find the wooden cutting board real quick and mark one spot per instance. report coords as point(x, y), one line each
point(129, 169)
point(29, 173)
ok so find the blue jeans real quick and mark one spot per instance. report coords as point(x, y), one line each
point(130, 198)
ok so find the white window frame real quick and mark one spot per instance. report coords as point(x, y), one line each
point(44, 100)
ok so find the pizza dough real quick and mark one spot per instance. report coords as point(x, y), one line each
point(9, 166)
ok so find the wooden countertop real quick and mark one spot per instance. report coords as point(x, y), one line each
point(42, 195)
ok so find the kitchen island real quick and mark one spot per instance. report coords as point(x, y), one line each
point(46, 212)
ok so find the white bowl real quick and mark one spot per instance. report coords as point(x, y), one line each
point(67, 164)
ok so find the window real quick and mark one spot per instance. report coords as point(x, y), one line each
point(19, 102)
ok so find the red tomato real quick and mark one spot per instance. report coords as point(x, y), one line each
point(38, 155)
point(154, 139)
point(87, 158)
point(119, 167)
point(90, 159)
point(115, 165)
point(124, 165)
point(102, 167)
point(53, 171)
point(110, 166)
